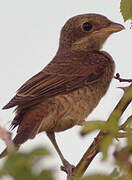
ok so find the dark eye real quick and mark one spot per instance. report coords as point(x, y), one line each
point(87, 26)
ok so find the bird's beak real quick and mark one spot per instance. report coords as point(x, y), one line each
point(112, 28)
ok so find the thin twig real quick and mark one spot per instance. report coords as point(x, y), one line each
point(117, 76)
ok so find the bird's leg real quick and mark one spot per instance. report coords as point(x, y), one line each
point(67, 166)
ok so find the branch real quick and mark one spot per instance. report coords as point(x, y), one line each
point(117, 76)
point(6, 137)
point(92, 151)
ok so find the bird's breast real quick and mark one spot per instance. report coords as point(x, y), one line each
point(74, 107)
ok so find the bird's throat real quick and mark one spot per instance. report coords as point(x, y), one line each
point(89, 43)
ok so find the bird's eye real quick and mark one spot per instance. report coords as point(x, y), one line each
point(87, 26)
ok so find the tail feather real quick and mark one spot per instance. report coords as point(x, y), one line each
point(11, 104)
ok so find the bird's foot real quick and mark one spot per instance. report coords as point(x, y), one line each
point(68, 168)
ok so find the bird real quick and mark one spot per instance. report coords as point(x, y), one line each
point(68, 89)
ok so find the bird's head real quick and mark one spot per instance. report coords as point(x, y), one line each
point(87, 32)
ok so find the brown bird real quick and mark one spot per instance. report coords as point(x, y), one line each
point(65, 92)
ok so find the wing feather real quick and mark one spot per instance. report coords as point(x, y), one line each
point(60, 77)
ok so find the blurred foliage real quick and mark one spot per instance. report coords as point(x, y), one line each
point(21, 166)
point(98, 177)
point(126, 9)
point(114, 130)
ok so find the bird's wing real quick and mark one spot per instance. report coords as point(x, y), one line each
point(59, 77)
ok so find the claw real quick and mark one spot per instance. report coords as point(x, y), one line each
point(68, 168)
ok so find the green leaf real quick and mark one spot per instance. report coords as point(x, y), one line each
point(37, 154)
point(93, 125)
point(105, 144)
point(17, 164)
point(47, 175)
point(110, 126)
point(126, 9)
point(20, 165)
point(98, 177)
